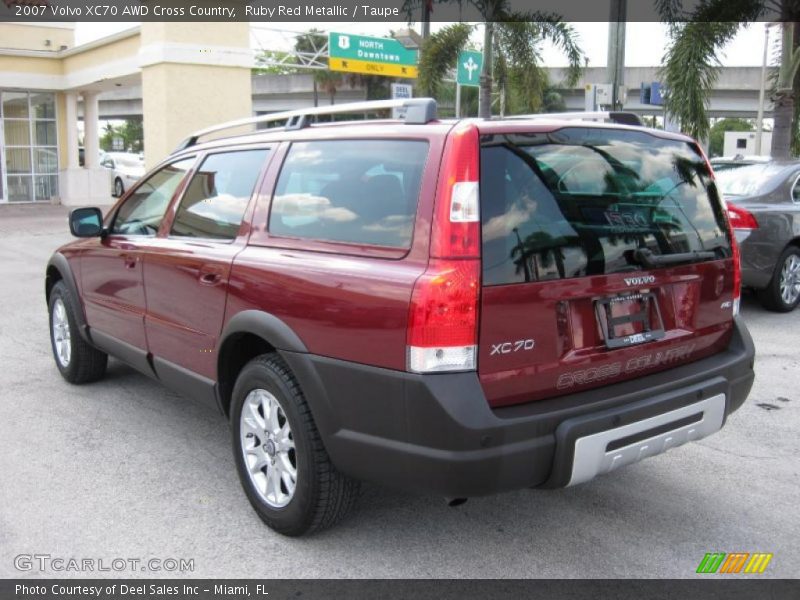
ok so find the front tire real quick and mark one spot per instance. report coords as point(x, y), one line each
point(119, 188)
point(76, 359)
point(282, 464)
point(783, 292)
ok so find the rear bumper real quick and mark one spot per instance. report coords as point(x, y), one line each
point(437, 433)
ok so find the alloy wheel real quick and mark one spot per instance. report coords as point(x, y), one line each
point(268, 448)
point(61, 333)
point(790, 279)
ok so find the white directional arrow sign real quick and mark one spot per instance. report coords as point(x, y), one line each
point(469, 68)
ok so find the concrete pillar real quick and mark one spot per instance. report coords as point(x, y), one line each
point(193, 75)
point(91, 185)
point(71, 126)
point(91, 130)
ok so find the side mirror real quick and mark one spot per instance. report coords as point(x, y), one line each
point(86, 222)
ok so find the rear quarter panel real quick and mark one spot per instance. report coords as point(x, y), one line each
point(344, 301)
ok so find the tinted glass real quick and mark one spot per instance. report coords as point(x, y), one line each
point(580, 201)
point(143, 211)
point(215, 200)
point(357, 191)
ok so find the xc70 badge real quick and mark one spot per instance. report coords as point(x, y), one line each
point(510, 347)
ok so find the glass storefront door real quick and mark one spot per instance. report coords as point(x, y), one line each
point(29, 171)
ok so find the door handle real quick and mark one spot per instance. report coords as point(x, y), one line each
point(210, 278)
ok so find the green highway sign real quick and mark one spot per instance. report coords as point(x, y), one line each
point(469, 68)
point(370, 55)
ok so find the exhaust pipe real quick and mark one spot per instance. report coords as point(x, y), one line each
point(453, 502)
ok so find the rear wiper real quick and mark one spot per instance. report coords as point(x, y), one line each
point(646, 258)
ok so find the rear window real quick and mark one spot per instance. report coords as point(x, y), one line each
point(750, 180)
point(580, 201)
point(355, 191)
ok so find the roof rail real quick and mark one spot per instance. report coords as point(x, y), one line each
point(418, 111)
point(620, 117)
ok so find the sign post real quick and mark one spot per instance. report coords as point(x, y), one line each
point(468, 72)
point(371, 56)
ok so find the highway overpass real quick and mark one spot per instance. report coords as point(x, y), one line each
point(734, 95)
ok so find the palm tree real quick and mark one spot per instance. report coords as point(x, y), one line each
point(692, 64)
point(511, 48)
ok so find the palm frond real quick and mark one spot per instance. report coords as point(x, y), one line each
point(691, 68)
point(671, 11)
point(516, 45)
point(743, 11)
point(413, 8)
point(565, 38)
point(439, 55)
point(541, 26)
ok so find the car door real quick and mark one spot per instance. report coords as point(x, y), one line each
point(187, 268)
point(111, 270)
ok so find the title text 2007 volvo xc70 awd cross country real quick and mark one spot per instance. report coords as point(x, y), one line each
point(457, 307)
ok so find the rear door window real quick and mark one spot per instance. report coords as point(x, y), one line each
point(354, 191)
point(217, 196)
point(580, 201)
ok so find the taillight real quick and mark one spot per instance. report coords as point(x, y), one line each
point(456, 222)
point(743, 220)
point(443, 318)
point(740, 218)
point(737, 258)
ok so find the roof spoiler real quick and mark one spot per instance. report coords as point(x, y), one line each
point(619, 117)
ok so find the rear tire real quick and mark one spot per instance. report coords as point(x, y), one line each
point(77, 360)
point(283, 466)
point(783, 292)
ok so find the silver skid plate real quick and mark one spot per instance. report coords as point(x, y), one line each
point(593, 458)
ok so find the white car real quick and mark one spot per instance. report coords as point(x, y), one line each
point(127, 169)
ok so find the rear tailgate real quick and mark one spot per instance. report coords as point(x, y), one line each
point(605, 256)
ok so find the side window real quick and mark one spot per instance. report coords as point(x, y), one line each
point(144, 210)
point(356, 191)
point(217, 196)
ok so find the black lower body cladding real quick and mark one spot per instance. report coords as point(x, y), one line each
point(438, 434)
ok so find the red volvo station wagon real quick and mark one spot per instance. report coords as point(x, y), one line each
point(455, 307)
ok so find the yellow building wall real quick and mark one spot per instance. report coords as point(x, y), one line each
point(94, 57)
point(179, 99)
point(31, 65)
point(212, 34)
point(27, 37)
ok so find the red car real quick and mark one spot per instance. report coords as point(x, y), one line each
point(456, 307)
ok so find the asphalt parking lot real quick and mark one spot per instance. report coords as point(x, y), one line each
point(126, 469)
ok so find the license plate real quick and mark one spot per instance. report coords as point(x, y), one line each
point(630, 319)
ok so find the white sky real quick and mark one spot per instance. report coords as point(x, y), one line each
point(644, 46)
